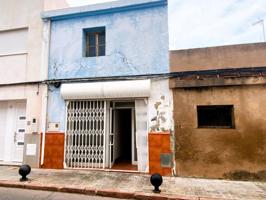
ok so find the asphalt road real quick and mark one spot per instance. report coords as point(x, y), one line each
point(24, 194)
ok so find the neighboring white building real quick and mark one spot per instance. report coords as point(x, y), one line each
point(21, 89)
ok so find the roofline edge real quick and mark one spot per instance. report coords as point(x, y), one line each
point(67, 13)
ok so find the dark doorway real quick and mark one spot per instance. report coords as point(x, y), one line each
point(124, 127)
point(123, 124)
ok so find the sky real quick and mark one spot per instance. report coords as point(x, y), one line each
point(203, 23)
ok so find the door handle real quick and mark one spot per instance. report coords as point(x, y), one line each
point(111, 139)
point(15, 137)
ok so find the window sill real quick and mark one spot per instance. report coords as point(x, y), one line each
point(84, 56)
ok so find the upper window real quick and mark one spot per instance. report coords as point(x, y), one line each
point(95, 42)
point(215, 116)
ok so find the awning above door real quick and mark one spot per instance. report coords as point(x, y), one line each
point(104, 90)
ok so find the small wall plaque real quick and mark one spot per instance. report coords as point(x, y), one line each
point(53, 126)
point(31, 150)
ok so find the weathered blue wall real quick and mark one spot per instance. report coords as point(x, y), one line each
point(136, 43)
point(56, 107)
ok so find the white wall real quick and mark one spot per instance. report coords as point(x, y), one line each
point(13, 68)
point(55, 4)
point(21, 29)
point(160, 106)
point(20, 32)
point(13, 41)
point(33, 94)
point(14, 14)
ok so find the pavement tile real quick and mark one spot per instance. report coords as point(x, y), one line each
point(132, 185)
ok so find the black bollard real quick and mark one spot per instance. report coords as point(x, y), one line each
point(156, 181)
point(24, 170)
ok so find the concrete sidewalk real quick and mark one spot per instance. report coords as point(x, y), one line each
point(130, 185)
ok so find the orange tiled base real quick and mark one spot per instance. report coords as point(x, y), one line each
point(158, 143)
point(54, 150)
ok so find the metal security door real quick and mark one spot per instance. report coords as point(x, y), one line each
point(85, 134)
point(111, 139)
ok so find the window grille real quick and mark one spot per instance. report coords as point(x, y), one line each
point(85, 134)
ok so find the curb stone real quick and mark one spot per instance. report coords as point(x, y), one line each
point(99, 192)
point(11, 184)
point(79, 190)
point(115, 194)
point(90, 191)
point(141, 196)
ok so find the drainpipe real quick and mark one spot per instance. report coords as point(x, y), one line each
point(44, 118)
point(44, 75)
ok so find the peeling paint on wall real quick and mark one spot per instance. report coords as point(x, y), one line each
point(160, 106)
point(136, 43)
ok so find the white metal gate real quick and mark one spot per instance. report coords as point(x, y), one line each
point(85, 134)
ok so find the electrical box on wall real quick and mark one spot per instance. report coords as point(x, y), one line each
point(53, 126)
point(34, 125)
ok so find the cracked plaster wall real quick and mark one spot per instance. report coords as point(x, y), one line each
point(136, 43)
point(160, 106)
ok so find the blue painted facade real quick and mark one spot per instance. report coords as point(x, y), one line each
point(136, 44)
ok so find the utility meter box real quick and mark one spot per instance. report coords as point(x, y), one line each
point(34, 125)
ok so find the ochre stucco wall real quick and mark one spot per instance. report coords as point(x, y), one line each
point(202, 152)
point(232, 56)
